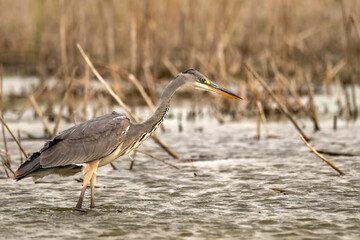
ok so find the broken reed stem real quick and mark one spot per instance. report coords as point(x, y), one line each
point(258, 124)
point(348, 104)
point(338, 97)
point(314, 116)
point(132, 157)
point(41, 116)
point(121, 103)
point(219, 117)
point(158, 159)
point(280, 190)
point(331, 153)
point(113, 166)
point(276, 99)
point(13, 136)
point(321, 156)
point(19, 138)
point(262, 114)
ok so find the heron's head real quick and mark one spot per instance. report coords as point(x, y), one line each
point(196, 79)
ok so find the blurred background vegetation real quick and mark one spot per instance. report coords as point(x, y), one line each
point(285, 41)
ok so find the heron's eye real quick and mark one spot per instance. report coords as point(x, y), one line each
point(203, 80)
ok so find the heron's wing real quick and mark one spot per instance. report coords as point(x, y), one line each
point(85, 142)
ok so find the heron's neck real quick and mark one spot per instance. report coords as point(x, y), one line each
point(156, 119)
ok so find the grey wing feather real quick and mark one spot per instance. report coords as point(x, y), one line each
point(85, 142)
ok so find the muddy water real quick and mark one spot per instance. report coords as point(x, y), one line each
point(228, 197)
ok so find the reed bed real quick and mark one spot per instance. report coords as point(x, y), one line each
point(286, 43)
point(285, 51)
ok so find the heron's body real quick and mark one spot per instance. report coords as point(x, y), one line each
point(99, 141)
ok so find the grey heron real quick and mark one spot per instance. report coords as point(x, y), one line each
point(87, 146)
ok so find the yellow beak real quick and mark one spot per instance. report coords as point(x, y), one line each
point(218, 89)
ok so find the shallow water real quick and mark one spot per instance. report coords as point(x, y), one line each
point(229, 197)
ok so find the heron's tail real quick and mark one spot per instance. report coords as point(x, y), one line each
point(31, 165)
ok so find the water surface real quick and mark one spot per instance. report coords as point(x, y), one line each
point(223, 193)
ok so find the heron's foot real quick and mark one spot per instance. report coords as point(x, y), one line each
point(79, 204)
point(92, 205)
point(80, 209)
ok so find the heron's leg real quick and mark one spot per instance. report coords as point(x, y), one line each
point(88, 170)
point(92, 184)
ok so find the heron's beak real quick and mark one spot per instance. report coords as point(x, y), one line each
point(218, 89)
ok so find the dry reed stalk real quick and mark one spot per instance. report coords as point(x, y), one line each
point(258, 120)
point(333, 71)
point(314, 116)
point(120, 102)
point(133, 45)
point(86, 93)
point(132, 157)
point(332, 153)
point(62, 34)
point(158, 159)
point(166, 148)
point(3, 162)
point(4, 152)
point(116, 80)
point(146, 66)
point(348, 104)
point(170, 66)
point(262, 114)
point(276, 99)
point(39, 113)
point(149, 78)
point(335, 123)
point(291, 89)
point(338, 96)
point(2, 114)
point(320, 156)
point(219, 117)
point(13, 136)
point(62, 105)
point(6, 163)
point(109, 19)
point(113, 166)
point(106, 85)
point(142, 91)
point(280, 190)
point(19, 138)
point(349, 60)
point(138, 86)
